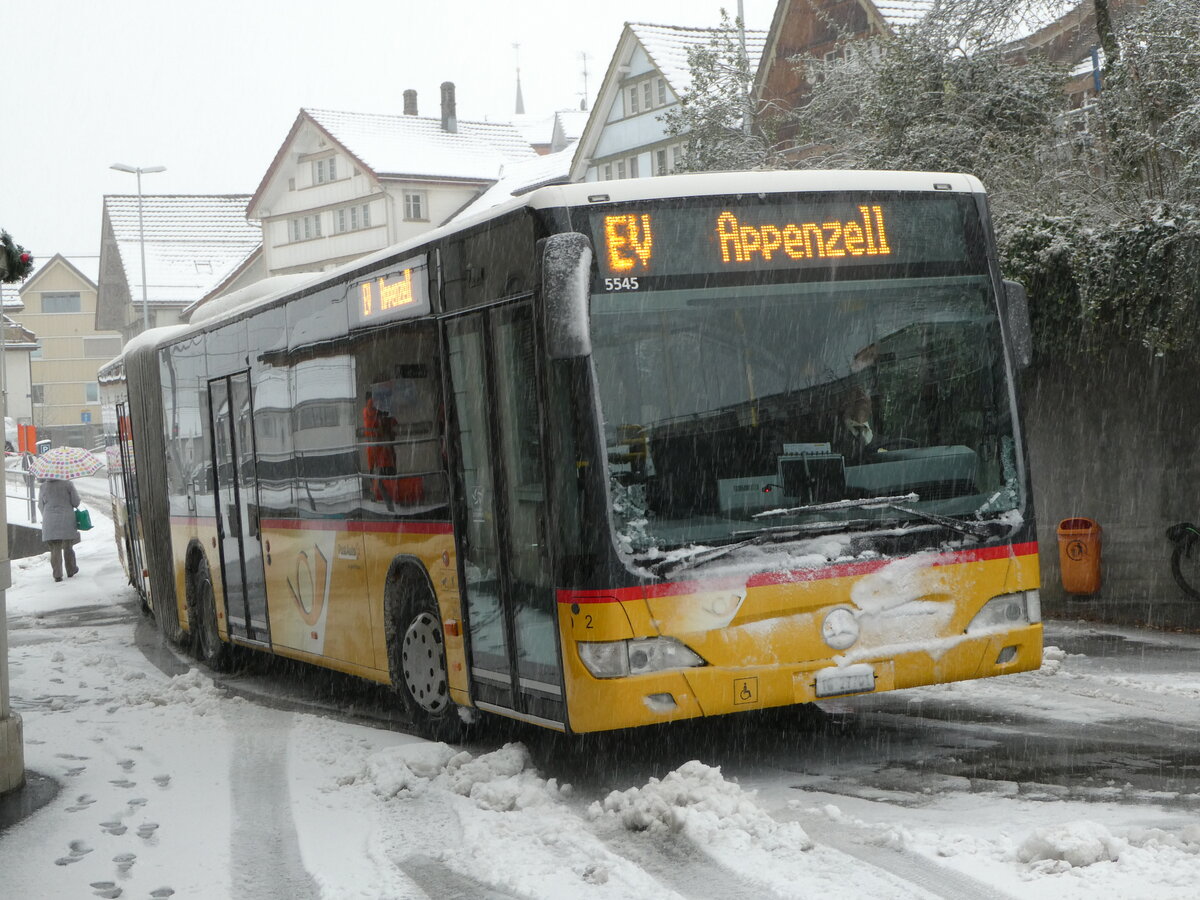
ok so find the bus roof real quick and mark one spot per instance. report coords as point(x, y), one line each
point(582, 194)
point(725, 183)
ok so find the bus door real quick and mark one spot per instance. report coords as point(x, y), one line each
point(133, 519)
point(515, 663)
point(232, 419)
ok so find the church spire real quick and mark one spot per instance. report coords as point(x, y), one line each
point(520, 99)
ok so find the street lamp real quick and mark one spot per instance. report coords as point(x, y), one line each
point(138, 170)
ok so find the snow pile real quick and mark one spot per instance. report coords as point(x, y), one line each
point(696, 801)
point(1057, 848)
point(192, 689)
point(1052, 660)
point(502, 780)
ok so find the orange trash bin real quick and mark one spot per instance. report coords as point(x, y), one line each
point(1079, 555)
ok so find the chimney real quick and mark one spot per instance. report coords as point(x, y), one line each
point(449, 117)
point(410, 102)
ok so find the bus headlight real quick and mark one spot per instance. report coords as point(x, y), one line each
point(614, 659)
point(1008, 611)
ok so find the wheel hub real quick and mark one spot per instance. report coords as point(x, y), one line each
point(422, 663)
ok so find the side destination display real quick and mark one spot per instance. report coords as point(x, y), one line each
point(401, 292)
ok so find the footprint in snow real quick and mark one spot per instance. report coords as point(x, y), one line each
point(147, 829)
point(106, 889)
point(76, 851)
point(126, 764)
point(75, 770)
point(123, 783)
point(82, 802)
point(114, 827)
point(162, 780)
point(124, 862)
point(162, 893)
point(137, 801)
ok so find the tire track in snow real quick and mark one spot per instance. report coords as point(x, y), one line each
point(913, 868)
point(265, 861)
point(440, 882)
point(681, 867)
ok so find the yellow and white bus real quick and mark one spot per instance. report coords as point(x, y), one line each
point(610, 454)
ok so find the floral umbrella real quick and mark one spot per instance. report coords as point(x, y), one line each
point(65, 462)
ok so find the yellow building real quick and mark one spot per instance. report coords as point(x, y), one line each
point(60, 308)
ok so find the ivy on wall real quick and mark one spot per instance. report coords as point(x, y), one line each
point(1094, 286)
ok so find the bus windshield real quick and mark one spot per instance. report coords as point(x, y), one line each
point(734, 408)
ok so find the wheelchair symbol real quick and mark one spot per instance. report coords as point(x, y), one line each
point(745, 690)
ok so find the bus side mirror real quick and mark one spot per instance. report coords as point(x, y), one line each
point(1016, 309)
point(566, 264)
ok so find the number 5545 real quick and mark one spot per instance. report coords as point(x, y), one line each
point(621, 284)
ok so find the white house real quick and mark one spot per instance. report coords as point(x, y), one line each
point(625, 136)
point(345, 184)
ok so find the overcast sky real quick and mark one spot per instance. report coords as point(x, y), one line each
point(209, 90)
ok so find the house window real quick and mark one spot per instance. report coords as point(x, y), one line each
point(676, 153)
point(415, 206)
point(620, 168)
point(91, 392)
point(647, 95)
point(662, 91)
point(325, 170)
point(660, 158)
point(633, 100)
point(102, 347)
point(37, 393)
point(312, 227)
point(339, 221)
point(61, 302)
point(608, 171)
point(633, 167)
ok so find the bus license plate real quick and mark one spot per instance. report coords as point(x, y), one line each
point(857, 679)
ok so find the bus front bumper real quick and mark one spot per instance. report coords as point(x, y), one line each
point(604, 704)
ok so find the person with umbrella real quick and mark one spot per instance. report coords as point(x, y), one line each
point(58, 500)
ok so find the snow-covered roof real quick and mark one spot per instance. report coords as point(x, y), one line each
point(668, 46)
point(571, 122)
point(399, 145)
point(192, 241)
point(16, 335)
point(898, 13)
point(534, 129)
point(524, 176)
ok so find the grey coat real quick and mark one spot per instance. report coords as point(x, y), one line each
point(57, 501)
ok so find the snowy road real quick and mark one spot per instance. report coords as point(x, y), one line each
point(1081, 780)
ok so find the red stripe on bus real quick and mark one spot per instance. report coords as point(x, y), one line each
point(364, 527)
point(330, 525)
point(823, 573)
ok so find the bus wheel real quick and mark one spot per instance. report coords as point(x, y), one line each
point(206, 642)
point(417, 659)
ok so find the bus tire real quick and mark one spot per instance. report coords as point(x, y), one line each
point(207, 645)
point(417, 660)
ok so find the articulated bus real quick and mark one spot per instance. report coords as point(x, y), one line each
point(607, 455)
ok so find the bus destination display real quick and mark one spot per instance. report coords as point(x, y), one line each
point(674, 241)
point(400, 294)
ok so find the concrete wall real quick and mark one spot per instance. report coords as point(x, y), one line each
point(1117, 441)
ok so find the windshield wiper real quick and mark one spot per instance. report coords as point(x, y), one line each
point(785, 532)
point(862, 503)
point(760, 536)
point(973, 529)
